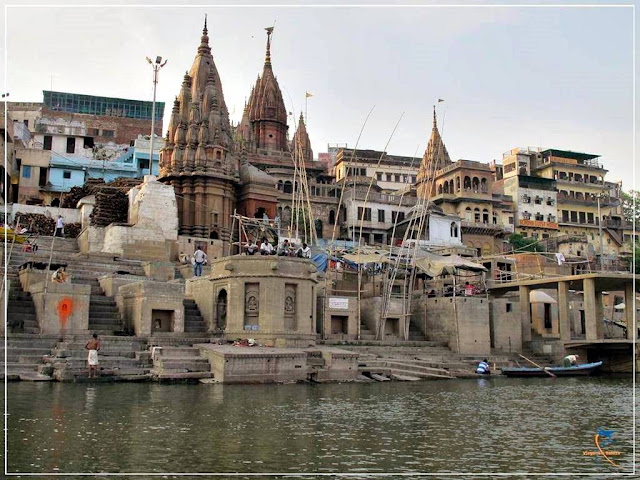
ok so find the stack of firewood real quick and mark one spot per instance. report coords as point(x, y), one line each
point(37, 223)
point(112, 206)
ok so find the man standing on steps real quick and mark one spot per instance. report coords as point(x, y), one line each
point(59, 227)
point(93, 346)
point(199, 257)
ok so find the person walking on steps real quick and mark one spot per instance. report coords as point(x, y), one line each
point(59, 227)
point(199, 258)
point(93, 346)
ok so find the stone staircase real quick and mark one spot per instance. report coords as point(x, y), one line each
point(21, 312)
point(179, 364)
point(193, 321)
point(120, 358)
point(104, 317)
point(425, 360)
point(25, 355)
point(365, 332)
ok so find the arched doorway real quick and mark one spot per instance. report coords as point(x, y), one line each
point(221, 310)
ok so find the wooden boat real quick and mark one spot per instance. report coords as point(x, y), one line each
point(576, 370)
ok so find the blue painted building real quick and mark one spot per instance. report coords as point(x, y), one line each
point(66, 171)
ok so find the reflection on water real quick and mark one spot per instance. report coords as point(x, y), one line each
point(485, 425)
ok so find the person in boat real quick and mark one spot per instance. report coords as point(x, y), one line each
point(570, 360)
point(483, 368)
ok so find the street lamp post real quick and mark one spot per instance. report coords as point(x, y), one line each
point(157, 65)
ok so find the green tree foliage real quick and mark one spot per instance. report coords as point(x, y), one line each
point(522, 244)
point(628, 211)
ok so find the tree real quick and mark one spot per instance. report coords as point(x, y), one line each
point(522, 244)
point(628, 211)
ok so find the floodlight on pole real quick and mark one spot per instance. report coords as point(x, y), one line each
point(156, 68)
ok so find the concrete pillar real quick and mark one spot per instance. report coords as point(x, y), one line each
point(592, 310)
point(563, 311)
point(525, 313)
point(628, 308)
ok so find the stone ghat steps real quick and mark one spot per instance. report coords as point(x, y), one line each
point(185, 339)
point(193, 321)
point(104, 314)
point(373, 344)
point(393, 371)
point(407, 368)
point(180, 364)
point(44, 243)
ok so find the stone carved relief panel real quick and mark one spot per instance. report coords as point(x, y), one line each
point(290, 322)
point(251, 305)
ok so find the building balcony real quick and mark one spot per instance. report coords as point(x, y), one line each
point(590, 200)
point(481, 227)
point(573, 181)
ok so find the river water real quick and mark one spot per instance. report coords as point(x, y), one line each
point(473, 426)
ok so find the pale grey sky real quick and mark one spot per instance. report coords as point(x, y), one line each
point(550, 77)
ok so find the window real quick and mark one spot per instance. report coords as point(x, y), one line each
point(545, 235)
point(108, 133)
point(379, 176)
point(26, 123)
point(413, 179)
point(510, 220)
point(71, 144)
point(47, 142)
point(88, 142)
point(454, 230)
point(508, 307)
point(400, 216)
point(389, 177)
point(363, 172)
point(397, 177)
point(26, 171)
point(367, 214)
point(589, 217)
point(66, 174)
point(381, 216)
point(42, 180)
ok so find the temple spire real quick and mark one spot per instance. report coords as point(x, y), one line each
point(267, 60)
point(435, 124)
point(204, 40)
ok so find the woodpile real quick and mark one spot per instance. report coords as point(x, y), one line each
point(112, 206)
point(37, 223)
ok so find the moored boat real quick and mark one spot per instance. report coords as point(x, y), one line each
point(575, 370)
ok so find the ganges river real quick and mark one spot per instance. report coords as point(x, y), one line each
point(495, 425)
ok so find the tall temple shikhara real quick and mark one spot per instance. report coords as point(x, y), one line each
point(199, 158)
point(213, 166)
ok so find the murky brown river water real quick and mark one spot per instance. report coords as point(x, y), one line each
point(474, 426)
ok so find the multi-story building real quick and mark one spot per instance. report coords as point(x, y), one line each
point(584, 200)
point(17, 136)
point(393, 172)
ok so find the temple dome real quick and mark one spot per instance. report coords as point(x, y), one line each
point(253, 175)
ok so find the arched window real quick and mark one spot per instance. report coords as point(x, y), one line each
point(280, 185)
point(483, 185)
point(458, 183)
point(467, 183)
point(451, 186)
point(495, 218)
point(446, 187)
point(454, 230)
point(485, 216)
point(475, 184)
point(439, 189)
point(468, 213)
point(332, 217)
point(476, 215)
point(287, 187)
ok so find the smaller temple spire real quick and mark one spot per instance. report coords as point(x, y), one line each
point(435, 124)
point(267, 60)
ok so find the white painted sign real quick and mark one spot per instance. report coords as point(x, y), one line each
point(339, 303)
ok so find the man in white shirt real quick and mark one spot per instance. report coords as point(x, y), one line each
point(59, 227)
point(304, 251)
point(199, 258)
point(265, 247)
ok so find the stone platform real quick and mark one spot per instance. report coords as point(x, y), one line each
point(231, 364)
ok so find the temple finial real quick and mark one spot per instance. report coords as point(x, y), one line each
point(267, 59)
point(204, 30)
point(434, 117)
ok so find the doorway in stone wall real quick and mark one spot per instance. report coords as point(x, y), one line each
point(162, 320)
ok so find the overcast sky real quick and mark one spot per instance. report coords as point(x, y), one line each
point(550, 77)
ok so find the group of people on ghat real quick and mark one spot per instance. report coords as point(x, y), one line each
point(283, 249)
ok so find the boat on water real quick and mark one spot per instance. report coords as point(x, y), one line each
point(573, 371)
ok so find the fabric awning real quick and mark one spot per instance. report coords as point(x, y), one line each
point(366, 257)
point(436, 265)
point(538, 296)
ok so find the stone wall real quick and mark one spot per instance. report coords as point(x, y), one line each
point(505, 324)
point(137, 301)
point(464, 328)
point(61, 308)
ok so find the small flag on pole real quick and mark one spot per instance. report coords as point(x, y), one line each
point(309, 95)
point(440, 100)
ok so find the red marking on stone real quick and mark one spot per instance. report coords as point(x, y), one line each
point(65, 309)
